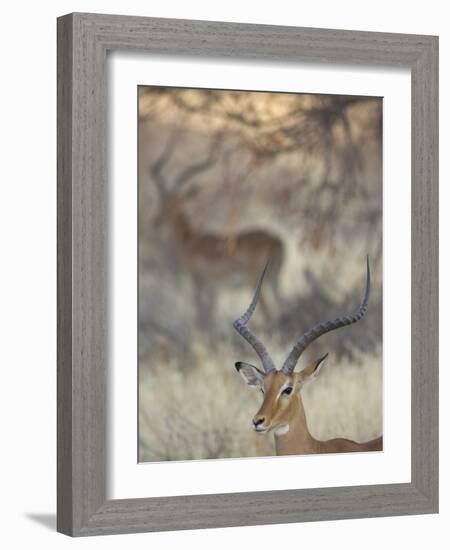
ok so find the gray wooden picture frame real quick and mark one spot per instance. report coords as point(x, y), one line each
point(83, 42)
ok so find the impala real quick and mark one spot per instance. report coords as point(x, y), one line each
point(282, 409)
point(207, 255)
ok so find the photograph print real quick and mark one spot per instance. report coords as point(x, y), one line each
point(259, 274)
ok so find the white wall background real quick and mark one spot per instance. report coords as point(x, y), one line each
point(28, 270)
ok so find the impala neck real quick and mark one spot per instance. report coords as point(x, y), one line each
point(295, 438)
point(173, 216)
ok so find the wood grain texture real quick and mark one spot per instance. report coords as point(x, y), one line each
point(424, 276)
point(64, 296)
point(83, 318)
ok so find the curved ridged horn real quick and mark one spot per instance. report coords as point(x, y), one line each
point(322, 328)
point(245, 332)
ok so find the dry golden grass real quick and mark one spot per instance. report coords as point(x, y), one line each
point(204, 409)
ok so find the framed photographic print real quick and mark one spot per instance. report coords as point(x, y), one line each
point(247, 274)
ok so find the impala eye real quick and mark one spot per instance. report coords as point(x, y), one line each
point(287, 391)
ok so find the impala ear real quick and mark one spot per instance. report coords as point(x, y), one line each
point(251, 375)
point(311, 371)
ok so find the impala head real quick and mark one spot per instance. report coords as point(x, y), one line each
point(281, 387)
point(174, 192)
point(280, 391)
